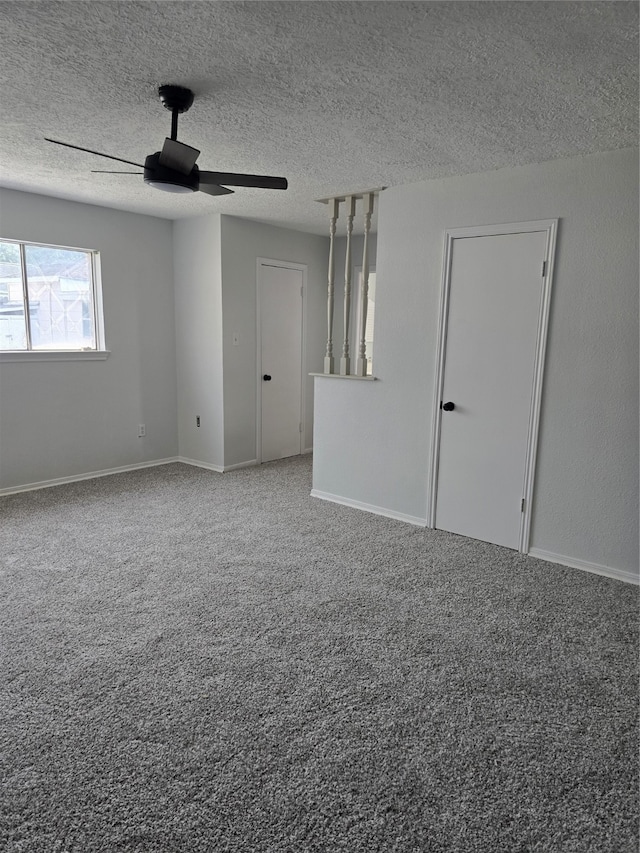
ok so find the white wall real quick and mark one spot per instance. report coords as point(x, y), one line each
point(243, 242)
point(198, 309)
point(586, 501)
point(64, 419)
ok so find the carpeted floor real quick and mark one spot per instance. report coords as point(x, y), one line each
point(200, 662)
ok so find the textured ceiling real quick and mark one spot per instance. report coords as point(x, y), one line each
point(336, 96)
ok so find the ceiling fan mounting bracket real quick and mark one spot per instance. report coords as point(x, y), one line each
point(176, 99)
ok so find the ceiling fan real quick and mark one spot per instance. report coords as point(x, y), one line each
point(174, 168)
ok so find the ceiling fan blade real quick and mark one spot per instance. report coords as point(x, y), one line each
point(213, 189)
point(266, 182)
point(108, 172)
point(178, 156)
point(90, 151)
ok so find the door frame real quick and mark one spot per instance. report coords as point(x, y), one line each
point(271, 262)
point(550, 226)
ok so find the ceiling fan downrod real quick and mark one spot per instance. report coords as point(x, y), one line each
point(176, 99)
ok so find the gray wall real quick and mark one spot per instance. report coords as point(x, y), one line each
point(243, 242)
point(198, 309)
point(586, 500)
point(64, 419)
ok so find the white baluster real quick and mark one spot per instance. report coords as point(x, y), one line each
point(334, 205)
point(361, 368)
point(345, 361)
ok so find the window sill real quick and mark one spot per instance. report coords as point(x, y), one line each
point(54, 355)
point(340, 376)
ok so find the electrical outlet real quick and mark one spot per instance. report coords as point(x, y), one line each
point(198, 421)
point(142, 431)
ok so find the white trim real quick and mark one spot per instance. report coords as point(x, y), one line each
point(42, 245)
point(342, 376)
point(585, 566)
point(101, 352)
point(536, 391)
point(25, 297)
point(53, 355)
point(376, 510)
point(219, 469)
point(198, 464)
point(441, 345)
point(355, 323)
point(360, 194)
point(290, 265)
point(451, 234)
point(98, 305)
point(89, 475)
point(258, 364)
point(250, 463)
point(501, 228)
point(303, 357)
point(307, 450)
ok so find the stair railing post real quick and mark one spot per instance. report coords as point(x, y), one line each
point(345, 361)
point(333, 205)
point(361, 366)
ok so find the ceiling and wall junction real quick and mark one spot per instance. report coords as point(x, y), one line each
point(336, 96)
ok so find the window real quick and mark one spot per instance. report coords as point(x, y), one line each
point(371, 312)
point(49, 299)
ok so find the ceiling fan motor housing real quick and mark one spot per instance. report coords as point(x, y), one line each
point(158, 176)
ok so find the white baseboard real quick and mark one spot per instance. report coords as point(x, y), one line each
point(560, 559)
point(248, 464)
point(89, 475)
point(198, 464)
point(307, 450)
point(376, 510)
point(585, 566)
point(219, 469)
point(571, 562)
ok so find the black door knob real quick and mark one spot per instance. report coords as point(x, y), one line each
point(447, 407)
point(266, 377)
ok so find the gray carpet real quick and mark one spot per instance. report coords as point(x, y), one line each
point(202, 662)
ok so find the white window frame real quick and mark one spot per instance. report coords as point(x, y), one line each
point(100, 352)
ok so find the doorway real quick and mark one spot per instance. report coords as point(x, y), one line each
point(280, 303)
point(491, 343)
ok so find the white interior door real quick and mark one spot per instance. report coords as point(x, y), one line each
point(494, 309)
point(280, 299)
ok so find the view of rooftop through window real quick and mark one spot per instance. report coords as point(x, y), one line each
point(47, 298)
